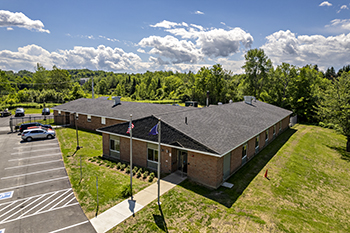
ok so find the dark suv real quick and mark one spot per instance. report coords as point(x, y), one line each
point(26, 125)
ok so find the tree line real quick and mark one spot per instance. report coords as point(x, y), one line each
point(303, 90)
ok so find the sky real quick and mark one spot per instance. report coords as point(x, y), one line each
point(149, 35)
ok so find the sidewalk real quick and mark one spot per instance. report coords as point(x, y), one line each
point(120, 212)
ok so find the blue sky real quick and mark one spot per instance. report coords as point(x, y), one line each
point(135, 36)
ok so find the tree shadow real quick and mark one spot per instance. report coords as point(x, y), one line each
point(242, 178)
point(342, 151)
point(160, 220)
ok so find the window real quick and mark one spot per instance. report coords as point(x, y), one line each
point(114, 144)
point(59, 112)
point(266, 135)
point(280, 126)
point(89, 118)
point(257, 142)
point(152, 156)
point(76, 116)
point(103, 120)
point(274, 130)
point(244, 150)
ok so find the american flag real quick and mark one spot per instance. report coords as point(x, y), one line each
point(130, 127)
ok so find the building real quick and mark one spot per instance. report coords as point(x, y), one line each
point(206, 144)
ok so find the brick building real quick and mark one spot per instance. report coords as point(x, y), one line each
point(206, 144)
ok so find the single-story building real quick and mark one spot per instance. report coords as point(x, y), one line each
point(206, 144)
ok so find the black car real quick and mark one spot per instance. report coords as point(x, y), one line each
point(5, 113)
point(46, 111)
point(27, 125)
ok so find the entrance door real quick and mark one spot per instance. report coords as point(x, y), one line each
point(67, 118)
point(227, 163)
point(182, 161)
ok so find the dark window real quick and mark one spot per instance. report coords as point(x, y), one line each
point(244, 150)
point(257, 141)
point(152, 155)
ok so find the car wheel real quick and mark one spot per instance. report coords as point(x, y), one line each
point(49, 136)
point(29, 139)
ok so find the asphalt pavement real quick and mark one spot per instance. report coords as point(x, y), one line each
point(35, 192)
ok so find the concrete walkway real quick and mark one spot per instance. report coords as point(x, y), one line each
point(120, 212)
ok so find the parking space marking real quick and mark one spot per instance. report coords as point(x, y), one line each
point(23, 152)
point(65, 228)
point(36, 145)
point(33, 164)
point(33, 197)
point(69, 201)
point(2, 230)
point(40, 182)
point(16, 213)
point(34, 157)
point(6, 195)
point(31, 173)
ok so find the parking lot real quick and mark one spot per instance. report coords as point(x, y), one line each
point(35, 193)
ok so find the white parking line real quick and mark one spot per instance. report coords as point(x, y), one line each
point(61, 201)
point(69, 201)
point(34, 157)
point(23, 152)
point(52, 201)
point(35, 145)
point(40, 182)
point(38, 204)
point(34, 196)
point(32, 173)
point(65, 228)
point(15, 207)
point(33, 164)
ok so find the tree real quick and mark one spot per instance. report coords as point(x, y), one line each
point(60, 79)
point(256, 67)
point(40, 77)
point(77, 92)
point(334, 107)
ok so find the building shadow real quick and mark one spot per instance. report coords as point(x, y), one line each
point(160, 220)
point(342, 151)
point(244, 176)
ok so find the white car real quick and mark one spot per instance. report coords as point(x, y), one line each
point(37, 133)
point(19, 112)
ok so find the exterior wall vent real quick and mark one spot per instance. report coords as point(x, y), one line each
point(116, 99)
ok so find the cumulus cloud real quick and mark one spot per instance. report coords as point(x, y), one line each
point(197, 42)
point(325, 3)
point(178, 51)
point(199, 13)
point(285, 46)
point(168, 24)
point(18, 19)
point(102, 57)
point(343, 7)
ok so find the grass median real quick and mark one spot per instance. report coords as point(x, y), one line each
point(110, 181)
point(307, 190)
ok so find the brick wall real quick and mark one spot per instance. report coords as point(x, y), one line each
point(105, 144)
point(166, 159)
point(285, 123)
point(251, 148)
point(236, 159)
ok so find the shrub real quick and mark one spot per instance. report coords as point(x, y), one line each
point(122, 167)
point(127, 170)
point(126, 191)
point(138, 174)
point(145, 174)
point(140, 170)
point(118, 166)
point(150, 179)
point(134, 170)
point(151, 175)
point(112, 166)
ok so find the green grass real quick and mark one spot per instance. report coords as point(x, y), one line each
point(307, 191)
point(110, 181)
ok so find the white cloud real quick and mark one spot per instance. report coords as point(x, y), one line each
point(340, 24)
point(343, 7)
point(199, 13)
point(18, 19)
point(285, 46)
point(165, 24)
point(141, 50)
point(178, 51)
point(102, 57)
point(9, 29)
point(222, 23)
point(325, 3)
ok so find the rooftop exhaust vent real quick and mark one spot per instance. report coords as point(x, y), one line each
point(116, 99)
point(249, 99)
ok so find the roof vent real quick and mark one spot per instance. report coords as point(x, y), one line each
point(249, 99)
point(116, 99)
point(230, 101)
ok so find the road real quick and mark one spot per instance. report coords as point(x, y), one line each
point(35, 192)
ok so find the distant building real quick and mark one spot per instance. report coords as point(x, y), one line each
point(207, 144)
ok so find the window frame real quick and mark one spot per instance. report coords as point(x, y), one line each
point(155, 153)
point(267, 135)
point(103, 120)
point(244, 149)
point(257, 141)
point(115, 145)
point(59, 112)
point(76, 116)
point(88, 118)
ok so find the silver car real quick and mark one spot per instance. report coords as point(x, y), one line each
point(37, 133)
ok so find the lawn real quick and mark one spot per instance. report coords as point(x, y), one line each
point(110, 181)
point(307, 190)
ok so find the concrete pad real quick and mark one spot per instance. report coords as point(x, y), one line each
point(227, 185)
point(127, 207)
point(144, 198)
point(106, 221)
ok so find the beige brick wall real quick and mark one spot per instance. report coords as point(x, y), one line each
point(251, 148)
point(285, 123)
point(236, 159)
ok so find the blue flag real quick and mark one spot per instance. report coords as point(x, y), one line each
point(154, 130)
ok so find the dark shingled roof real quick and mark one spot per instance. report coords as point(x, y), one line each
point(169, 135)
point(106, 108)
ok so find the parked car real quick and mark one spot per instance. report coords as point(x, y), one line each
point(27, 125)
point(46, 111)
point(30, 134)
point(6, 113)
point(19, 112)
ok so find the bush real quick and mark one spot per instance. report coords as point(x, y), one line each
point(134, 170)
point(138, 174)
point(150, 179)
point(140, 170)
point(127, 170)
point(145, 174)
point(151, 175)
point(122, 167)
point(112, 166)
point(118, 166)
point(126, 191)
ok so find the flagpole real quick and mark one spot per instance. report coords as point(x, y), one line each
point(130, 125)
point(159, 152)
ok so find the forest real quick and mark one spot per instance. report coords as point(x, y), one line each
point(306, 91)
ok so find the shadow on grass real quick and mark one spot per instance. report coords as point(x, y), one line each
point(160, 220)
point(242, 178)
point(342, 151)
